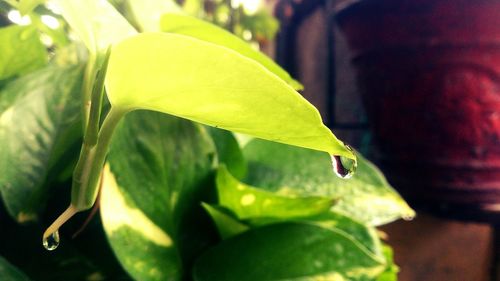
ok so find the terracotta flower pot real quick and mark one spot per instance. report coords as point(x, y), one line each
point(429, 73)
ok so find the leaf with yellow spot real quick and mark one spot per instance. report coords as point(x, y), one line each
point(248, 202)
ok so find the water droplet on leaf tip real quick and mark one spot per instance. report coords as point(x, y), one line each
point(52, 241)
point(408, 217)
point(343, 167)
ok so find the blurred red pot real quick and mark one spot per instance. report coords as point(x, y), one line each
point(429, 73)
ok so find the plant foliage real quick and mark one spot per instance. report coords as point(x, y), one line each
point(143, 124)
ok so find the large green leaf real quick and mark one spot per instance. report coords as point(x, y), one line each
point(96, 22)
point(214, 85)
point(159, 169)
point(228, 226)
point(190, 26)
point(248, 202)
point(37, 115)
point(21, 51)
point(366, 236)
point(9, 273)
point(366, 196)
point(288, 251)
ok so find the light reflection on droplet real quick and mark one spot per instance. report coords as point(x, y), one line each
point(50, 243)
point(344, 167)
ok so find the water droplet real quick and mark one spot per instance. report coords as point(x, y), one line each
point(50, 243)
point(408, 217)
point(344, 167)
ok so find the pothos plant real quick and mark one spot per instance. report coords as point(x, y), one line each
point(142, 123)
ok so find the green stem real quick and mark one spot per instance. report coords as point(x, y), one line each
point(89, 167)
point(88, 82)
point(94, 117)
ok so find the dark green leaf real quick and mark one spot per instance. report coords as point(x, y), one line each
point(227, 225)
point(23, 53)
point(160, 167)
point(83, 259)
point(228, 151)
point(9, 273)
point(367, 196)
point(248, 202)
point(367, 236)
point(38, 116)
point(288, 251)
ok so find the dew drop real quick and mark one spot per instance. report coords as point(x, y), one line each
point(408, 217)
point(50, 243)
point(344, 167)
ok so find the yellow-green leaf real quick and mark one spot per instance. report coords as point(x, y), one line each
point(249, 202)
point(216, 86)
point(190, 26)
point(21, 51)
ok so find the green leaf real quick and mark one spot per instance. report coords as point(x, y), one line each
point(160, 168)
point(26, 6)
point(249, 202)
point(262, 25)
point(23, 53)
point(366, 236)
point(366, 197)
point(10, 273)
point(391, 270)
point(147, 13)
point(37, 115)
point(59, 35)
point(96, 22)
point(229, 152)
point(213, 85)
point(226, 224)
point(288, 251)
point(193, 27)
